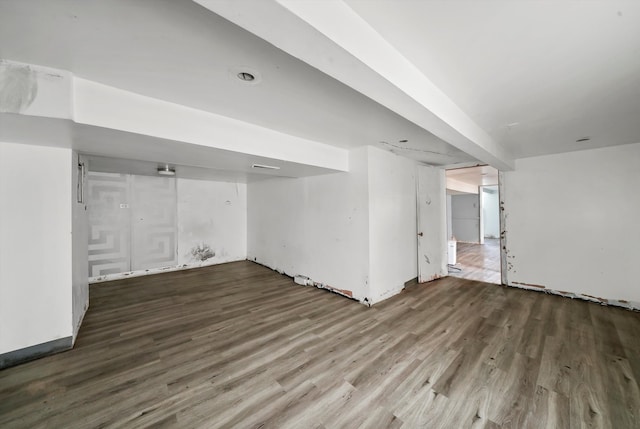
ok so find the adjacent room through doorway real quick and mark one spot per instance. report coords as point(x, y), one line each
point(473, 223)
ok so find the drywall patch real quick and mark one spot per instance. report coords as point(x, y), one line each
point(18, 87)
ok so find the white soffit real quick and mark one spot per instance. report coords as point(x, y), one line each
point(177, 51)
point(333, 38)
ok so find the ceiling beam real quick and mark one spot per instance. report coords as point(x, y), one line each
point(333, 38)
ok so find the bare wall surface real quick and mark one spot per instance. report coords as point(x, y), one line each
point(212, 222)
point(334, 228)
point(315, 226)
point(572, 223)
point(392, 223)
point(35, 245)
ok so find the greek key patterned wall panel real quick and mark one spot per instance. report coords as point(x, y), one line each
point(153, 222)
point(109, 224)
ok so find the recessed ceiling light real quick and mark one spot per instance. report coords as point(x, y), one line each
point(246, 76)
point(265, 167)
point(166, 171)
point(583, 139)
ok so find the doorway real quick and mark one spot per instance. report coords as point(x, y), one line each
point(473, 223)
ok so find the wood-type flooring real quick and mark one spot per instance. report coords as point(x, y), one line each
point(478, 261)
point(240, 346)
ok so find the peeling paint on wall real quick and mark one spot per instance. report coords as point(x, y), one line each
point(18, 87)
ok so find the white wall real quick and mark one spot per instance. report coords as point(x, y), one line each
point(392, 223)
point(211, 215)
point(465, 217)
point(355, 232)
point(202, 223)
point(491, 212)
point(314, 226)
point(35, 245)
point(80, 240)
point(572, 222)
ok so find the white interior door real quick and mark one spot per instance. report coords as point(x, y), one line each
point(432, 224)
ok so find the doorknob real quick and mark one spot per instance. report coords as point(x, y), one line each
point(420, 234)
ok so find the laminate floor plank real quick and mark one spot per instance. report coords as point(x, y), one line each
point(238, 345)
point(476, 261)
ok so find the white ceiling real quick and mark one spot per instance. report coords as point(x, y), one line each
point(176, 50)
point(467, 180)
point(536, 75)
point(533, 76)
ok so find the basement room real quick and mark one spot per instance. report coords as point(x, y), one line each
point(319, 214)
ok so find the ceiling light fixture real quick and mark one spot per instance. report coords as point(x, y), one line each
point(246, 77)
point(166, 170)
point(583, 139)
point(265, 167)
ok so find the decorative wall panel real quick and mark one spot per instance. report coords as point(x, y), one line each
point(132, 223)
point(109, 224)
point(153, 221)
